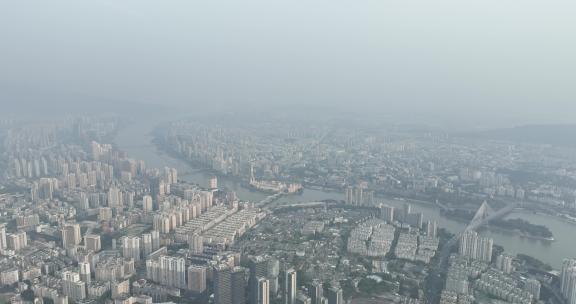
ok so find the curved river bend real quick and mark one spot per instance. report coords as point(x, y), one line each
point(135, 140)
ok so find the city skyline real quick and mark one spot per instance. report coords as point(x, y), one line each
point(265, 152)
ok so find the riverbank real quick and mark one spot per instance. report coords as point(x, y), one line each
point(242, 183)
point(518, 226)
point(136, 139)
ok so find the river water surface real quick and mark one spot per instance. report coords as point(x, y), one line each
point(135, 140)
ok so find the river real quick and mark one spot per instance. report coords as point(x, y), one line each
point(135, 139)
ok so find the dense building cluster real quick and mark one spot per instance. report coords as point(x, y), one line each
point(82, 222)
point(371, 238)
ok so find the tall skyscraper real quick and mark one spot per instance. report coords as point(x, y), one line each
point(2, 237)
point(146, 244)
point(504, 262)
point(196, 243)
point(431, 229)
point(316, 292)
point(155, 239)
point(222, 284)
point(263, 291)
point(335, 295)
point(71, 235)
point(114, 197)
point(476, 247)
point(387, 213)
point(568, 280)
point(105, 214)
point(302, 298)
point(258, 269)
point(229, 285)
point(197, 278)
point(263, 267)
point(273, 274)
point(72, 286)
point(533, 287)
point(407, 209)
point(147, 204)
point(167, 270)
point(92, 242)
point(290, 286)
point(355, 195)
point(85, 274)
point(173, 271)
point(414, 219)
point(16, 241)
point(213, 183)
point(131, 247)
point(239, 285)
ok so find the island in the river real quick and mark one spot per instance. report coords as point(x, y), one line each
point(517, 225)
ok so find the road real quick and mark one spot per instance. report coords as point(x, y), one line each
point(433, 296)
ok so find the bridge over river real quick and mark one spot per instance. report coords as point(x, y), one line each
point(483, 216)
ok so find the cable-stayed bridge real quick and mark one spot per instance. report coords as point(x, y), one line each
point(483, 215)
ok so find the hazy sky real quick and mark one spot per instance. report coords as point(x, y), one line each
point(457, 60)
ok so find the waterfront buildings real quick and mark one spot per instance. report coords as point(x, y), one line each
point(476, 247)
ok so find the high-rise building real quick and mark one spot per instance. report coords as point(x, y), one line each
point(27, 222)
point(170, 175)
point(316, 292)
point(222, 284)
point(504, 263)
point(162, 222)
point(155, 240)
point(273, 274)
point(302, 298)
point(213, 183)
point(414, 219)
point(105, 214)
point(16, 241)
point(387, 213)
point(197, 278)
point(147, 204)
point(239, 285)
point(568, 280)
point(263, 291)
point(196, 243)
point(258, 269)
point(263, 267)
point(92, 242)
point(229, 285)
point(2, 237)
point(131, 247)
point(72, 286)
point(290, 286)
point(146, 244)
point(120, 288)
point(44, 189)
point(533, 287)
point(167, 270)
point(476, 247)
point(355, 195)
point(407, 209)
point(335, 295)
point(173, 270)
point(71, 235)
point(432, 229)
point(457, 281)
point(114, 197)
point(85, 274)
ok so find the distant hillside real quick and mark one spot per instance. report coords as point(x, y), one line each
point(558, 135)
